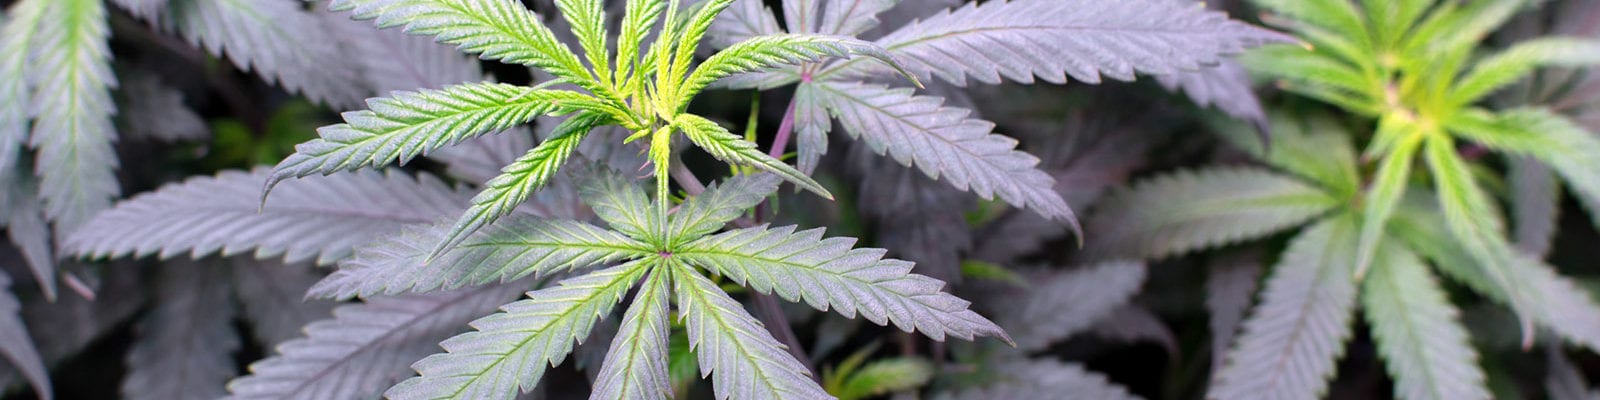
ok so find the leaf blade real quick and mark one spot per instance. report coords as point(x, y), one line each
point(801, 265)
point(509, 351)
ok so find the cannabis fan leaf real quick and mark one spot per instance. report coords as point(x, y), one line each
point(645, 94)
point(1017, 40)
point(672, 253)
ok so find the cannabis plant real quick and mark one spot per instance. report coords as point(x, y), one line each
point(1413, 71)
point(613, 80)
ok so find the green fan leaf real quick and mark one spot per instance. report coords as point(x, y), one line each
point(1316, 148)
point(320, 218)
point(636, 365)
point(831, 274)
point(588, 20)
point(366, 347)
point(1567, 148)
point(720, 204)
point(1339, 16)
point(766, 52)
point(72, 129)
point(1290, 343)
point(409, 124)
point(520, 179)
point(733, 149)
point(1186, 211)
point(745, 361)
point(946, 144)
point(510, 350)
point(516, 247)
point(1555, 302)
point(622, 204)
point(1517, 62)
point(1393, 175)
point(1417, 329)
point(502, 30)
point(1474, 220)
point(1019, 40)
point(641, 16)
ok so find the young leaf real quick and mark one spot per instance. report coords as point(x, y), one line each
point(1291, 341)
point(520, 179)
point(1020, 39)
point(501, 30)
point(17, 346)
point(720, 204)
point(732, 149)
point(1393, 175)
point(402, 127)
point(1338, 16)
point(636, 365)
point(1554, 301)
point(830, 274)
point(1554, 140)
point(1417, 330)
point(517, 247)
point(588, 20)
point(185, 345)
point(510, 350)
point(1315, 148)
point(72, 127)
point(257, 35)
point(641, 16)
point(1475, 222)
point(1059, 304)
point(367, 347)
point(1192, 210)
point(1043, 379)
point(765, 52)
point(946, 144)
point(747, 363)
point(1521, 59)
point(321, 218)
